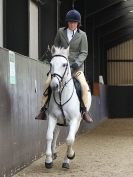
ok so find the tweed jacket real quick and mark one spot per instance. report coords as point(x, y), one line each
point(78, 46)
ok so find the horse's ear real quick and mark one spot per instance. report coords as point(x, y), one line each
point(52, 49)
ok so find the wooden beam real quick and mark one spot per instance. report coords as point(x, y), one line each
point(117, 25)
point(103, 7)
point(113, 14)
point(118, 41)
point(119, 35)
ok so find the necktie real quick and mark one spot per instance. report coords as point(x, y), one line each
point(73, 34)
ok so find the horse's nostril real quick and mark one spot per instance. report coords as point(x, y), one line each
point(55, 87)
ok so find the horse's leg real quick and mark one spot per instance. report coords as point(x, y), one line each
point(71, 138)
point(49, 138)
point(66, 162)
point(55, 136)
point(74, 125)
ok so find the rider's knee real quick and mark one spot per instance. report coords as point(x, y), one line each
point(84, 86)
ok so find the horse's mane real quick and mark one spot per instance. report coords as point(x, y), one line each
point(60, 51)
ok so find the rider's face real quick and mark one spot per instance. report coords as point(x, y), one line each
point(72, 25)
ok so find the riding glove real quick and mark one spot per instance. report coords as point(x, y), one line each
point(75, 66)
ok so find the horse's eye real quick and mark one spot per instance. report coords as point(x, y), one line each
point(65, 64)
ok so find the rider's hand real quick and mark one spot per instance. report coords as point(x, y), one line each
point(75, 66)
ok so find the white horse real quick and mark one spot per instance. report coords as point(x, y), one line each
point(64, 107)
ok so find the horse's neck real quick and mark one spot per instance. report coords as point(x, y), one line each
point(67, 90)
point(69, 86)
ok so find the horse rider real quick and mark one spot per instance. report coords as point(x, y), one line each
point(76, 39)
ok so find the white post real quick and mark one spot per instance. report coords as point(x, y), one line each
point(1, 23)
point(33, 30)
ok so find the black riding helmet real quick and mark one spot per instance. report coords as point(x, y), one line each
point(73, 16)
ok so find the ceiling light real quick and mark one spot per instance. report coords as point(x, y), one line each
point(131, 11)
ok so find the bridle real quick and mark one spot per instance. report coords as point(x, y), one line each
point(57, 75)
point(60, 104)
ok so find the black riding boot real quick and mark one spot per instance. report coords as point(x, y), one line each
point(42, 115)
point(86, 116)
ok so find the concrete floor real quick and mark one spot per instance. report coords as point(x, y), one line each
point(106, 151)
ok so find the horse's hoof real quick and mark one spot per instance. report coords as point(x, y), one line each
point(66, 165)
point(54, 156)
point(71, 158)
point(49, 165)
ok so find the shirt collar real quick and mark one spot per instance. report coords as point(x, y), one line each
point(71, 31)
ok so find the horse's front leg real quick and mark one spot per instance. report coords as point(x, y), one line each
point(70, 154)
point(55, 136)
point(49, 138)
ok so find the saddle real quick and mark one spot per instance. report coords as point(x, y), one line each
point(78, 88)
point(79, 92)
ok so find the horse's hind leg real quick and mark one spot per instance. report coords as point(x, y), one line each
point(49, 137)
point(55, 136)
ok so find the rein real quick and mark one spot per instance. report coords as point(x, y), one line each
point(60, 104)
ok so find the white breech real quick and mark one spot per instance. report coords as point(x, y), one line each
point(86, 94)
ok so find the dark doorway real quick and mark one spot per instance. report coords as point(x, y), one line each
point(47, 25)
point(120, 101)
point(16, 31)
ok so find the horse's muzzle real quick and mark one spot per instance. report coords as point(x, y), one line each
point(54, 84)
point(55, 87)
